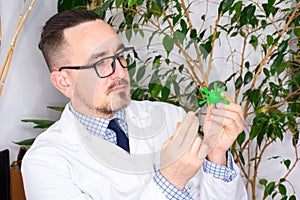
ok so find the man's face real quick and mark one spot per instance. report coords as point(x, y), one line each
point(88, 43)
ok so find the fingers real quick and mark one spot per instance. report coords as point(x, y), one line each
point(196, 145)
point(236, 116)
point(187, 130)
point(205, 149)
point(229, 115)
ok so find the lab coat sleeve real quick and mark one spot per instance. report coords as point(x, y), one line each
point(152, 192)
point(49, 179)
point(205, 186)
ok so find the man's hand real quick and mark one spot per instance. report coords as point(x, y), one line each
point(179, 156)
point(227, 122)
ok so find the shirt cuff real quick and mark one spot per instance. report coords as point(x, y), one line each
point(225, 173)
point(169, 190)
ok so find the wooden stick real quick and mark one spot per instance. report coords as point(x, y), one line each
point(7, 61)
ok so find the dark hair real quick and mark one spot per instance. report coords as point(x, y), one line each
point(52, 37)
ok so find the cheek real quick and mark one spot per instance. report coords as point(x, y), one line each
point(86, 84)
point(100, 90)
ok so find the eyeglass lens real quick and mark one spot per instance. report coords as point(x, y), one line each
point(107, 66)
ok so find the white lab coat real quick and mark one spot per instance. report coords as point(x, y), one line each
point(67, 163)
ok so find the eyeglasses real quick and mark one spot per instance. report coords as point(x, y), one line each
point(107, 66)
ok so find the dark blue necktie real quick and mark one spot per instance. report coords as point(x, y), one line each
point(122, 139)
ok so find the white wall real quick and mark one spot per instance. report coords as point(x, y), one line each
point(28, 90)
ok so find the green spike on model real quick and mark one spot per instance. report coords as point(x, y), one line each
point(214, 96)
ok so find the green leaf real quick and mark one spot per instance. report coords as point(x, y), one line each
point(205, 49)
point(275, 194)
point(247, 16)
point(128, 34)
point(248, 78)
point(131, 3)
point(165, 92)
point(155, 9)
point(263, 181)
point(266, 72)
point(168, 44)
point(274, 157)
point(269, 189)
point(237, 8)
point(254, 96)
point(238, 82)
point(276, 64)
point(178, 36)
point(137, 94)
point(274, 89)
point(101, 11)
point(176, 88)
point(161, 4)
point(193, 34)
point(241, 158)
point(269, 40)
point(287, 163)
point(234, 34)
point(140, 73)
point(260, 123)
point(247, 65)
point(59, 109)
point(119, 3)
point(180, 68)
point(241, 138)
point(176, 18)
point(293, 197)
point(282, 189)
point(131, 70)
point(156, 90)
point(184, 27)
point(282, 46)
point(297, 32)
point(254, 41)
point(63, 5)
point(264, 24)
point(27, 142)
point(156, 62)
point(42, 124)
point(224, 6)
point(269, 7)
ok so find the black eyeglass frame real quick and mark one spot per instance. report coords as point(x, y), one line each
point(113, 64)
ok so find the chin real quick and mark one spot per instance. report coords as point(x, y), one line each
point(121, 101)
point(118, 102)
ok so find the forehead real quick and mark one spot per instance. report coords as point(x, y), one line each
point(86, 37)
point(107, 48)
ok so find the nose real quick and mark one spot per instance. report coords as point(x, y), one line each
point(120, 71)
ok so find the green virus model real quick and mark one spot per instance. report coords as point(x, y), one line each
point(214, 96)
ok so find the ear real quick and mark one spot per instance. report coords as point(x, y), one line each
point(63, 82)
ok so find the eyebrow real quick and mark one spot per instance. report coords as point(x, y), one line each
point(103, 53)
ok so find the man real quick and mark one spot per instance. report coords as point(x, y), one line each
point(106, 146)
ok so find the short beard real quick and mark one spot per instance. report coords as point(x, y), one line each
point(121, 100)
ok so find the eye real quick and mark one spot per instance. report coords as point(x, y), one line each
point(102, 63)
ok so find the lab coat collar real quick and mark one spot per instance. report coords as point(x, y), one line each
point(143, 157)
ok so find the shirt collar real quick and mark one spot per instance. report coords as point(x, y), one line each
point(98, 126)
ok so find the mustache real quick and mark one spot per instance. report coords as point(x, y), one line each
point(121, 82)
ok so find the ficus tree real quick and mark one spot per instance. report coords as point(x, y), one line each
point(251, 47)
